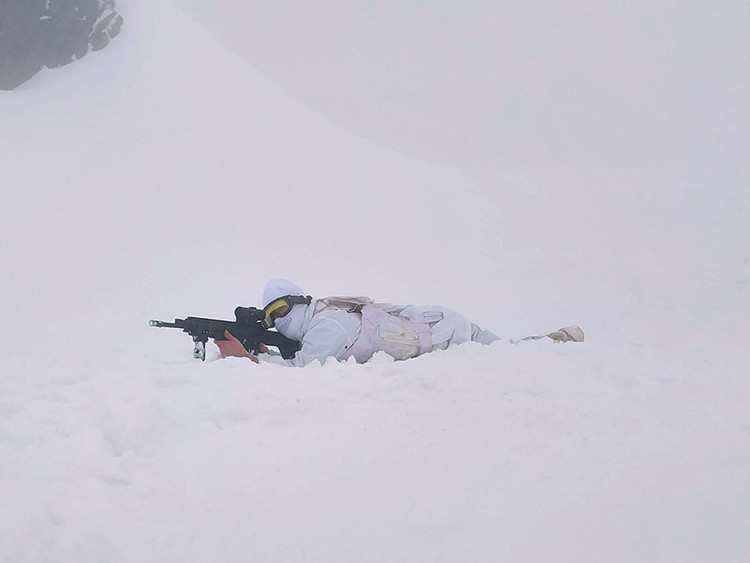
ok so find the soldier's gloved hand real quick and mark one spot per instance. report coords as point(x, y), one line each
point(233, 347)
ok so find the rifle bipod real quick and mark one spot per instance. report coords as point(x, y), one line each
point(199, 348)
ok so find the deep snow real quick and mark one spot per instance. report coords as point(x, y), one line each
point(166, 177)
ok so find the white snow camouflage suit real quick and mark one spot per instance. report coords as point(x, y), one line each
point(345, 327)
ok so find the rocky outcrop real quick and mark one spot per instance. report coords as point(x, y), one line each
point(50, 33)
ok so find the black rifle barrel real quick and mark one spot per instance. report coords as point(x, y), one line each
point(163, 324)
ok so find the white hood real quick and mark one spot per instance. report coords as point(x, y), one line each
point(279, 287)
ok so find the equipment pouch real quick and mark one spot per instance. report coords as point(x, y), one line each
point(398, 341)
point(425, 315)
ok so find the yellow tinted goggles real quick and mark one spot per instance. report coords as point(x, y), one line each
point(280, 307)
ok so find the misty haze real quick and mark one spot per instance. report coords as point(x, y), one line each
point(532, 166)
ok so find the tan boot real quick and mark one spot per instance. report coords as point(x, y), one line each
point(567, 334)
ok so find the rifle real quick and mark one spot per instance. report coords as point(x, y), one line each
point(248, 329)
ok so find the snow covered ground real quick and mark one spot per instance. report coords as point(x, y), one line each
point(166, 177)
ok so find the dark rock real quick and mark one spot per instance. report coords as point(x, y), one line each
point(51, 33)
point(107, 28)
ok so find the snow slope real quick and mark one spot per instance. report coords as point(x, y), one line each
point(167, 177)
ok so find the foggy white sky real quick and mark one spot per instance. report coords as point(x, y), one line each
point(162, 177)
point(487, 83)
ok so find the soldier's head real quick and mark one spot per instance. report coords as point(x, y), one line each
point(284, 307)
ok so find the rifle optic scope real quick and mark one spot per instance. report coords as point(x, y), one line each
point(248, 315)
